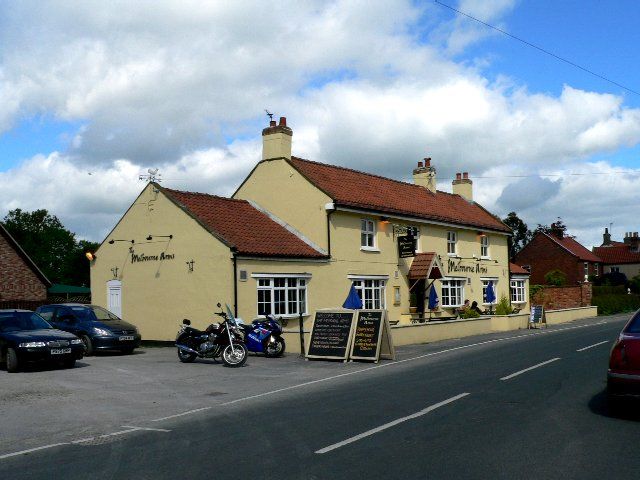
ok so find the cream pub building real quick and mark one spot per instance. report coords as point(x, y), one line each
point(293, 238)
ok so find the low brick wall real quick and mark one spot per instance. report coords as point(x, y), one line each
point(558, 298)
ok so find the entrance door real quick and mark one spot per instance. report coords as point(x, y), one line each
point(114, 297)
point(419, 291)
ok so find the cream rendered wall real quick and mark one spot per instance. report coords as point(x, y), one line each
point(278, 188)
point(157, 295)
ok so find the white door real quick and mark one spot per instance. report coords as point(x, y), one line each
point(114, 297)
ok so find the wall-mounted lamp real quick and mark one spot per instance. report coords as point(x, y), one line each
point(384, 219)
point(482, 234)
point(90, 256)
point(114, 240)
point(190, 265)
point(150, 237)
point(114, 270)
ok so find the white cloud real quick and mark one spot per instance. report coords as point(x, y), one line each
point(182, 86)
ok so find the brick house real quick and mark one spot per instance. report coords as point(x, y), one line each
point(20, 278)
point(556, 251)
point(623, 257)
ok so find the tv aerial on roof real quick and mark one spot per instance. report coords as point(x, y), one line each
point(269, 114)
point(152, 175)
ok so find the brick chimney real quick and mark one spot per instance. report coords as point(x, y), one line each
point(276, 140)
point(425, 175)
point(606, 237)
point(632, 239)
point(463, 186)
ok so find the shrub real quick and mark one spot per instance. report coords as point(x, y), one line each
point(503, 307)
point(608, 304)
point(634, 284)
point(556, 278)
point(612, 278)
point(468, 313)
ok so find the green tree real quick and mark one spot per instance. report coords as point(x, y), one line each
point(52, 247)
point(555, 277)
point(521, 233)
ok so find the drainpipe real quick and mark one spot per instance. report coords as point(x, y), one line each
point(235, 281)
point(329, 212)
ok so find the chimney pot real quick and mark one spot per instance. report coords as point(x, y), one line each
point(458, 176)
point(283, 121)
point(272, 123)
point(427, 161)
point(465, 174)
point(419, 164)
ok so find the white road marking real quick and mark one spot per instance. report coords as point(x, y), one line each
point(147, 428)
point(182, 414)
point(530, 368)
point(591, 346)
point(22, 452)
point(384, 365)
point(82, 440)
point(390, 424)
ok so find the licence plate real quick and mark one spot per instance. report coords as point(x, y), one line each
point(60, 351)
point(126, 337)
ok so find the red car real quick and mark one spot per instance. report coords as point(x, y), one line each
point(623, 377)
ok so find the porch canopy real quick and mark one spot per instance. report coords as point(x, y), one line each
point(425, 266)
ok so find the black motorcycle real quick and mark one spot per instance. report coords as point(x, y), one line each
point(219, 339)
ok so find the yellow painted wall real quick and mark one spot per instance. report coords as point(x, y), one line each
point(278, 188)
point(157, 295)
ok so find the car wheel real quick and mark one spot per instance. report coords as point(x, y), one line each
point(12, 360)
point(88, 346)
point(69, 363)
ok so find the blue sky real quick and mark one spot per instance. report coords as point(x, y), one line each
point(109, 90)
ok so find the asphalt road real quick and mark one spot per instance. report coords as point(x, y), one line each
point(526, 404)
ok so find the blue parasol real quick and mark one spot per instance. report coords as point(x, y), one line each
point(353, 301)
point(433, 298)
point(491, 294)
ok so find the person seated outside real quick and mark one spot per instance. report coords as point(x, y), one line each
point(474, 306)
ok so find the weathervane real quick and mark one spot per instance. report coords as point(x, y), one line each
point(151, 176)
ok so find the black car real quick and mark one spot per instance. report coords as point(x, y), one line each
point(26, 337)
point(98, 328)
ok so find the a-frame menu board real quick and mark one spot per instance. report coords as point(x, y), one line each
point(331, 334)
point(372, 337)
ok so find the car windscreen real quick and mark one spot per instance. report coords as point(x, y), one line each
point(17, 321)
point(634, 324)
point(102, 314)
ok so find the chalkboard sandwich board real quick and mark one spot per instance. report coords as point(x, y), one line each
point(372, 336)
point(537, 316)
point(331, 334)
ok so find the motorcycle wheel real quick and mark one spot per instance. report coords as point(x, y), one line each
point(275, 349)
point(234, 356)
point(186, 357)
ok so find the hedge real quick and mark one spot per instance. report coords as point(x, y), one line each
point(609, 304)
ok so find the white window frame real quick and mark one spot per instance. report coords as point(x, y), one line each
point(518, 290)
point(596, 269)
point(372, 290)
point(297, 283)
point(614, 269)
point(485, 281)
point(368, 235)
point(452, 291)
point(452, 243)
point(586, 269)
point(484, 247)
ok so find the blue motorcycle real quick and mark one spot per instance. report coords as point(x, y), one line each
point(264, 335)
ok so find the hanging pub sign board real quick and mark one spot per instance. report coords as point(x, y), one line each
point(372, 336)
point(537, 316)
point(406, 246)
point(331, 334)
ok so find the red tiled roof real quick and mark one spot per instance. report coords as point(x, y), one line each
point(517, 269)
point(424, 264)
point(371, 192)
point(575, 248)
point(238, 224)
point(617, 253)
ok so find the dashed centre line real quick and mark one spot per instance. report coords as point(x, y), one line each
point(520, 372)
point(390, 424)
point(591, 346)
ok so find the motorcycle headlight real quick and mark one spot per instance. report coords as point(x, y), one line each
point(76, 341)
point(32, 344)
point(103, 332)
